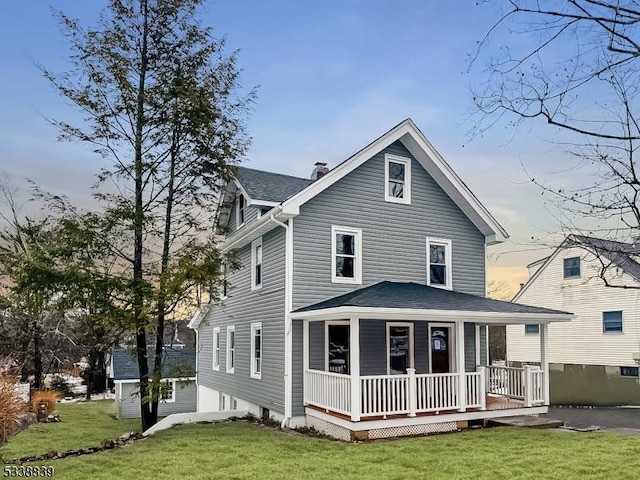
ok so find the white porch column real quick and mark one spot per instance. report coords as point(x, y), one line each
point(482, 386)
point(305, 358)
point(462, 384)
point(544, 359)
point(354, 367)
point(412, 392)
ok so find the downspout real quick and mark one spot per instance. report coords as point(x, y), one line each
point(288, 303)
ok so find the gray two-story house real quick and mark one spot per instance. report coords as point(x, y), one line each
point(360, 308)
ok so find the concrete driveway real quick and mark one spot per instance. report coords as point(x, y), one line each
point(609, 418)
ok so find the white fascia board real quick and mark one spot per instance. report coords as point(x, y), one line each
point(415, 141)
point(338, 313)
point(262, 203)
point(171, 379)
point(197, 317)
point(417, 144)
point(246, 235)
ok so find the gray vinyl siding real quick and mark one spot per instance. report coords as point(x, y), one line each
point(185, 400)
point(241, 308)
point(373, 346)
point(394, 235)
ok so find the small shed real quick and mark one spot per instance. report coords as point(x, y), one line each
point(178, 391)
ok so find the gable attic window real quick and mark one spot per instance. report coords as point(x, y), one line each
point(346, 258)
point(612, 321)
point(439, 263)
point(240, 210)
point(397, 178)
point(256, 264)
point(572, 267)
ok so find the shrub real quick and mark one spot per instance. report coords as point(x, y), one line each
point(12, 407)
point(59, 384)
point(48, 397)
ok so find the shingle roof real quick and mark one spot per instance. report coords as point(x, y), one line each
point(422, 297)
point(620, 253)
point(125, 366)
point(269, 186)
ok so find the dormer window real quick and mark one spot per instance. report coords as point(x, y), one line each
point(240, 210)
point(397, 176)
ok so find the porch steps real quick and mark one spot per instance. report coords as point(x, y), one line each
point(527, 421)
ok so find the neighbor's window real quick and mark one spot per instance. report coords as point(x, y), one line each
point(439, 263)
point(397, 176)
point(347, 255)
point(216, 348)
point(532, 328)
point(612, 321)
point(231, 348)
point(256, 350)
point(629, 371)
point(256, 264)
point(571, 267)
point(167, 391)
point(241, 205)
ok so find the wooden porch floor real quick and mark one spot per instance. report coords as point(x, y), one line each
point(493, 403)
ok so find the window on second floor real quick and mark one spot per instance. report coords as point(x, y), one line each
point(397, 177)
point(256, 264)
point(439, 263)
point(571, 267)
point(240, 210)
point(346, 261)
point(231, 348)
point(612, 321)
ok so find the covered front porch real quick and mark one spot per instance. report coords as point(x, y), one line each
point(370, 366)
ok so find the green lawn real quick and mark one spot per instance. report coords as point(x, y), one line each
point(82, 424)
point(240, 450)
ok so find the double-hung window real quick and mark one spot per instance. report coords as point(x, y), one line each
point(231, 348)
point(240, 210)
point(167, 391)
point(571, 267)
point(612, 321)
point(256, 264)
point(346, 258)
point(439, 263)
point(216, 348)
point(256, 350)
point(397, 177)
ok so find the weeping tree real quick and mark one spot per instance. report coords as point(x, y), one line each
point(572, 66)
point(162, 104)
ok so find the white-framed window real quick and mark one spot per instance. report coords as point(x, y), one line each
point(397, 179)
point(337, 340)
point(168, 391)
point(241, 206)
point(231, 348)
point(256, 264)
point(216, 348)
point(399, 347)
point(256, 350)
point(346, 255)
point(439, 263)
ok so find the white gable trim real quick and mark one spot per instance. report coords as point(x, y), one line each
point(432, 162)
point(197, 317)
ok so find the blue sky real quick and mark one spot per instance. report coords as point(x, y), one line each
point(332, 75)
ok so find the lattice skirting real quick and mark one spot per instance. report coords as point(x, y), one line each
point(410, 430)
point(329, 429)
point(346, 435)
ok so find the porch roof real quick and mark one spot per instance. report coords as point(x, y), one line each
point(413, 299)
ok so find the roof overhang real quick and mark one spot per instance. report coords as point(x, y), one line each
point(197, 317)
point(264, 224)
point(496, 318)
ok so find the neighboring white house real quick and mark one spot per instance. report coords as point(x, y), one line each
point(591, 358)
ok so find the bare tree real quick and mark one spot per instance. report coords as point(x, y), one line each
point(573, 65)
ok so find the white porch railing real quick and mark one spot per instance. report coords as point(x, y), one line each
point(385, 394)
point(437, 391)
point(526, 384)
point(328, 390)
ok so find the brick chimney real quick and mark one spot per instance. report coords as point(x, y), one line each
point(319, 171)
